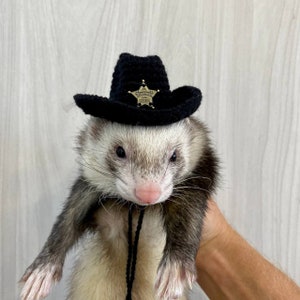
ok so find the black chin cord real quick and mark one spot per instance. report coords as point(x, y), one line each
point(132, 249)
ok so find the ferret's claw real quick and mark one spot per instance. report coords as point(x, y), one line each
point(38, 283)
point(172, 279)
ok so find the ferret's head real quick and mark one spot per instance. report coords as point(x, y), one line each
point(140, 164)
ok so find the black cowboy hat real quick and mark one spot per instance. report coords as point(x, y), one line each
point(140, 95)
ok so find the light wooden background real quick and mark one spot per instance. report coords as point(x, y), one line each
point(243, 54)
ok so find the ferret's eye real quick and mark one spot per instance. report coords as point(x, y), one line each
point(121, 152)
point(173, 157)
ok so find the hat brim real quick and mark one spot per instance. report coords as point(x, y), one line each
point(187, 99)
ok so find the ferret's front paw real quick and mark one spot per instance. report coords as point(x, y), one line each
point(172, 279)
point(38, 281)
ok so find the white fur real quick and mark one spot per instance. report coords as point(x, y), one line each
point(158, 143)
point(100, 270)
point(39, 283)
point(172, 280)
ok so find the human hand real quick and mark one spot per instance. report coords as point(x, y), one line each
point(215, 226)
point(229, 267)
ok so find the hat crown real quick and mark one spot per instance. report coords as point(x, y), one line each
point(132, 72)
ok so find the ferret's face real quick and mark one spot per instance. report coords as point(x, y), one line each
point(140, 164)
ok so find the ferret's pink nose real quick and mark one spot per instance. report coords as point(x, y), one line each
point(148, 193)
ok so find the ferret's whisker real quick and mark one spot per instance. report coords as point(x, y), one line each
point(104, 207)
point(183, 188)
point(84, 163)
point(192, 178)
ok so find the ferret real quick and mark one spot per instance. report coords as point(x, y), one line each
point(170, 171)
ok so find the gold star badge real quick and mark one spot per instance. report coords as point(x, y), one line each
point(144, 95)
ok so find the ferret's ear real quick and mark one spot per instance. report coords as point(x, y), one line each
point(187, 121)
point(195, 125)
point(96, 126)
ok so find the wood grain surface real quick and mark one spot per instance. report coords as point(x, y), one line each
point(245, 57)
